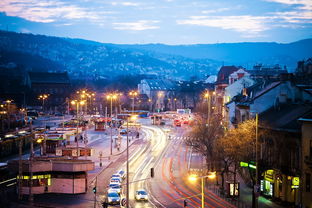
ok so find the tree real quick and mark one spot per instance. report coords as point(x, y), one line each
point(239, 144)
point(203, 137)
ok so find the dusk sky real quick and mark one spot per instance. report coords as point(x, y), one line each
point(162, 21)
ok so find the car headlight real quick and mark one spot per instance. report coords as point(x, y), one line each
point(109, 200)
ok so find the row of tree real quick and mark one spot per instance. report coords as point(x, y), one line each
point(223, 148)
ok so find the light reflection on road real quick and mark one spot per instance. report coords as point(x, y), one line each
point(141, 163)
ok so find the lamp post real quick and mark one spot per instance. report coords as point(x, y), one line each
point(9, 113)
point(111, 97)
point(77, 103)
point(43, 97)
point(133, 118)
point(160, 94)
point(207, 96)
point(175, 103)
point(133, 94)
point(193, 178)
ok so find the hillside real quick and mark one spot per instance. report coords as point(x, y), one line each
point(87, 59)
point(245, 54)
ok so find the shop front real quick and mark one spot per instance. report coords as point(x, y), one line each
point(267, 183)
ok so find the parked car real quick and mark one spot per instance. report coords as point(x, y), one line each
point(141, 195)
point(113, 198)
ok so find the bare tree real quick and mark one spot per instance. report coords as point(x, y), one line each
point(203, 137)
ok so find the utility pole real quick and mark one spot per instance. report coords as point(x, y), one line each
point(127, 163)
point(20, 170)
point(31, 158)
point(94, 190)
point(257, 167)
point(111, 126)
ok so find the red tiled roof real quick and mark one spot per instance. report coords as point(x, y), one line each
point(224, 73)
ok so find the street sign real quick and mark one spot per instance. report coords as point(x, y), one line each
point(243, 164)
point(123, 202)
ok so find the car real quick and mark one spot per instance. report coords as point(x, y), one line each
point(114, 187)
point(122, 174)
point(123, 131)
point(116, 175)
point(58, 114)
point(113, 198)
point(141, 195)
point(115, 180)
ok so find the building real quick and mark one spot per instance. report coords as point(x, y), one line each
point(53, 175)
point(56, 85)
point(306, 162)
point(220, 85)
point(158, 92)
point(280, 154)
point(260, 71)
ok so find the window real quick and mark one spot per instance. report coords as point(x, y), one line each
point(308, 182)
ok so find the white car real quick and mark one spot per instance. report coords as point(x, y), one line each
point(113, 197)
point(122, 174)
point(115, 180)
point(141, 195)
point(114, 187)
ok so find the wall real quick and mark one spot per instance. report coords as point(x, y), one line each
point(306, 169)
point(65, 185)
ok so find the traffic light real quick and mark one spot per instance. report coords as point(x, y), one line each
point(185, 203)
point(94, 189)
point(152, 172)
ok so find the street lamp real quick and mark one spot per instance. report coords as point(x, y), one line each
point(133, 94)
point(160, 94)
point(9, 113)
point(77, 103)
point(43, 97)
point(133, 118)
point(193, 178)
point(111, 97)
point(175, 103)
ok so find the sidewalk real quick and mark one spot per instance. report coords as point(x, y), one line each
point(245, 197)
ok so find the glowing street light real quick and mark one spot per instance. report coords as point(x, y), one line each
point(192, 178)
point(111, 97)
point(43, 97)
point(133, 94)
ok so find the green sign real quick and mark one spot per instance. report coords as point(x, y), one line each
point(250, 165)
point(243, 164)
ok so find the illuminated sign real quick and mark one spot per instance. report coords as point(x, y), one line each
point(243, 164)
point(268, 175)
point(295, 182)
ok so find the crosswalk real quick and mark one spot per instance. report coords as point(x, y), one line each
point(178, 137)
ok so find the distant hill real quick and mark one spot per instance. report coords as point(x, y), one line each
point(89, 59)
point(85, 59)
point(245, 54)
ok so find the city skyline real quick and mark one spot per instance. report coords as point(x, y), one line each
point(167, 21)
